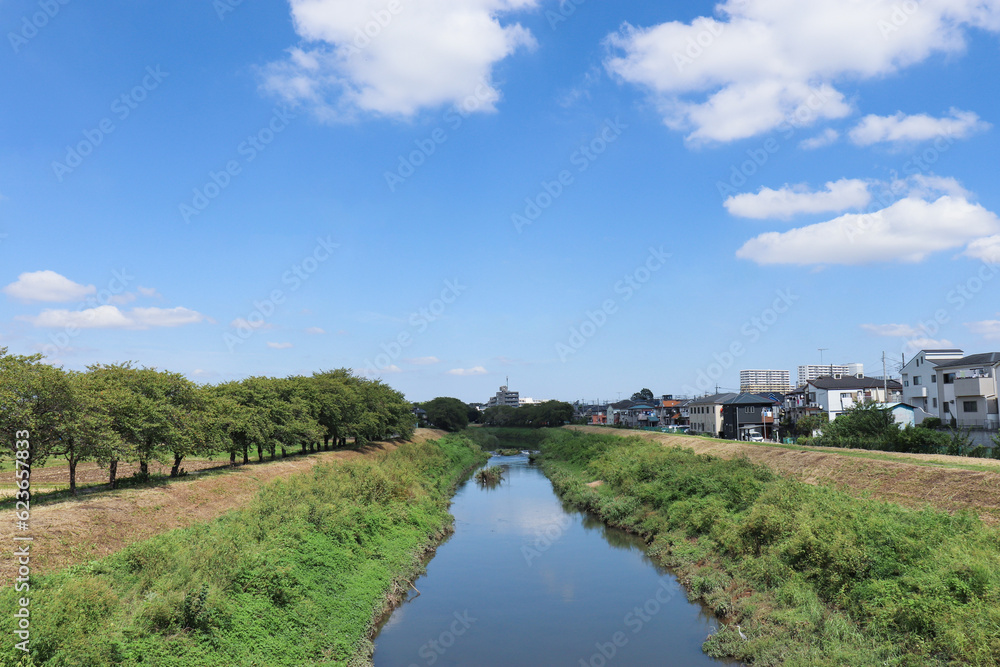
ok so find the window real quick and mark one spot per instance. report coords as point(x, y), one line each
point(934, 402)
point(906, 383)
point(934, 379)
point(949, 378)
point(947, 407)
point(916, 380)
point(970, 406)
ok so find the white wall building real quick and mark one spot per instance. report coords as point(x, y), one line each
point(837, 395)
point(816, 371)
point(967, 390)
point(505, 397)
point(919, 378)
point(764, 381)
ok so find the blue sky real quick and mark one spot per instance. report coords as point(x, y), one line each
point(590, 197)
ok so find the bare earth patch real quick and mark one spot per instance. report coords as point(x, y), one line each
point(89, 527)
point(913, 484)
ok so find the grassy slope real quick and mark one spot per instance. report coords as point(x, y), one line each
point(813, 575)
point(295, 578)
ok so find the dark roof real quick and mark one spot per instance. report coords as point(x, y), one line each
point(984, 359)
point(749, 399)
point(714, 399)
point(852, 382)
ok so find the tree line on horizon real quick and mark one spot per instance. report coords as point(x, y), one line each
point(452, 414)
point(121, 412)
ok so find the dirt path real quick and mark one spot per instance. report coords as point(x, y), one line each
point(82, 529)
point(913, 484)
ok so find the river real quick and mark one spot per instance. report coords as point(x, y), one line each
point(527, 581)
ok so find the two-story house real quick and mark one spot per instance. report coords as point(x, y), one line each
point(705, 414)
point(835, 395)
point(967, 390)
point(920, 380)
point(745, 414)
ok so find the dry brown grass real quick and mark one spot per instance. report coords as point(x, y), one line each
point(907, 479)
point(81, 529)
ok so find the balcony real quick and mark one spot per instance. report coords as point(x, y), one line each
point(974, 387)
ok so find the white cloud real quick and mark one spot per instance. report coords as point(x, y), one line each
point(123, 298)
point(986, 249)
point(279, 346)
point(478, 370)
point(908, 230)
point(148, 292)
point(315, 331)
point(825, 138)
point(110, 317)
point(764, 63)
point(988, 329)
point(914, 345)
point(427, 54)
point(920, 127)
point(47, 286)
point(892, 330)
point(791, 200)
point(423, 361)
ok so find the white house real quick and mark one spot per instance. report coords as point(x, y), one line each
point(967, 390)
point(837, 394)
point(919, 377)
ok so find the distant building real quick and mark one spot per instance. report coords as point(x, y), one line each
point(505, 397)
point(967, 390)
point(529, 401)
point(815, 371)
point(761, 381)
point(835, 395)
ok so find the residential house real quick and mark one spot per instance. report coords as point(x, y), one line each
point(744, 414)
point(919, 378)
point(835, 395)
point(967, 390)
point(671, 412)
point(902, 413)
point(705, 414)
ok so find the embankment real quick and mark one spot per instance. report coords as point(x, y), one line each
point(811, 575)
point(297, 576)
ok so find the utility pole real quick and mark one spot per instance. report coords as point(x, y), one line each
point(885, 378)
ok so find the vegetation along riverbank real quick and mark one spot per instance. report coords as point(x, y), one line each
point(298, 576)
point(809, 574)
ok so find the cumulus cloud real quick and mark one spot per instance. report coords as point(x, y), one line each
point(47, 286)
point(760, 64)
point(900, 128)
point(315, 331)
point(362, 56)
point(914, 345)
point(825, 138)
point(986, 249)
point(110, 317)
point(988, 329)
point(279, 346)
point(908, 230)
point(478, 370)
point(791, 200)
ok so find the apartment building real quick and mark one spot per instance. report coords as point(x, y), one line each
point(764, 381)
point(967, 390)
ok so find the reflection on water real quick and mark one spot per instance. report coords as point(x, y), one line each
point(527, 580)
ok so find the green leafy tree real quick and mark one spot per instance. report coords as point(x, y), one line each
point(34, 397)
point(447, 413)
point(643, 395)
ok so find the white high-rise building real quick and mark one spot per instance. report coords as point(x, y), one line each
point(505, 397)
point(764, 381)
point(811, 372)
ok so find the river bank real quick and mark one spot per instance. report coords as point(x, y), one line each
point(808, 574)
point(299, 575)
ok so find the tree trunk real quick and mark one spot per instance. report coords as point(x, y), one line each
point(246, 454)
point(113, 468)
point(176, 470)
point(72, 474)
point(284, 453)
point(232, 458)
point(326, 442)
point(144, 468)
point(304, 447)
point(260, 454)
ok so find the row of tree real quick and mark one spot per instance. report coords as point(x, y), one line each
point(451, 414)
point(120, 412)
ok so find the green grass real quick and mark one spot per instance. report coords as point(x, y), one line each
point(297, 577)
point(813, 575)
